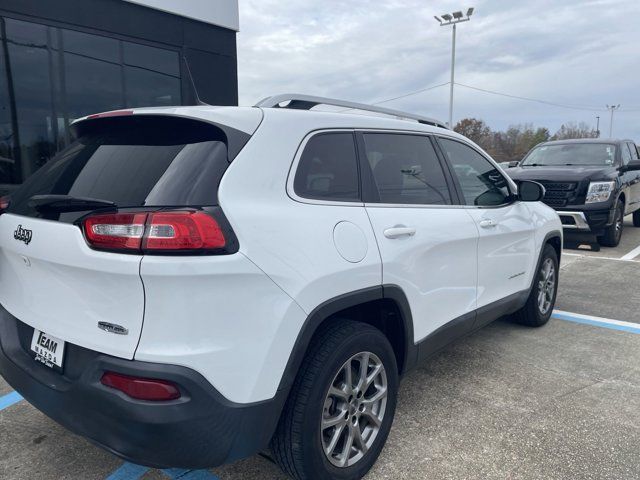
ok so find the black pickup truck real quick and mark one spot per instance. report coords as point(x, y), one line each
point(591, 183)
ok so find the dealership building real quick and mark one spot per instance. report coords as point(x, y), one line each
point(64, 59)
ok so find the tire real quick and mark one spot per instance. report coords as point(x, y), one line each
point(636, 218)
point(539, 307)
point(613, 233)
point(298, 446)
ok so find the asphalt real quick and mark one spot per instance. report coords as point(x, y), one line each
point(509, 402)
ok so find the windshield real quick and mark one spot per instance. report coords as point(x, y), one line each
point(572, 154)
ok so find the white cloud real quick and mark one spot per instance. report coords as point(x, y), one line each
point(570, 52)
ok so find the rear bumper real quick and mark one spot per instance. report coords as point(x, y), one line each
point(201, 429)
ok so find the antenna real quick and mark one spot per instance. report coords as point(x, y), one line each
point(193, 84)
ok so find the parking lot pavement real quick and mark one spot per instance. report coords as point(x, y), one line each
point(629, 243)
point(605, 283)
point(505, 403)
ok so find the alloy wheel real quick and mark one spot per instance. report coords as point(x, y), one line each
point(546, 286)
point(354, 408)
point(619, 223)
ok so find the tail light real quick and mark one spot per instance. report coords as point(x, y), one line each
point(141, 388)
point(183, 231)
point(180, 231)
point(4, 203)
point(116, 231)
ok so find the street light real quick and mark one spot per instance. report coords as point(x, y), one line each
point(446, 20)
point(613, 108)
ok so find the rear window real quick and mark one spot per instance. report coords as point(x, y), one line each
point(134, 162)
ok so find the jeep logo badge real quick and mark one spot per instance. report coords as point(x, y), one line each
point(23, 235)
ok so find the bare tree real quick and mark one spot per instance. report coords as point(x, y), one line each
point(575, 130)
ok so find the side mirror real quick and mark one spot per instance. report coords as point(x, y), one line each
point(530, 191)
point(632, 166)
point(514, 163)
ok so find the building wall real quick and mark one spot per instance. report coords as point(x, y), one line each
point(65, 59)
point(223, 13)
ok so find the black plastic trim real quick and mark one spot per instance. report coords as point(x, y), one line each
point(315, 319)
point(469, 323)
point(199, 430)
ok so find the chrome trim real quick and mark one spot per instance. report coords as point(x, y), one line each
point(579, 219)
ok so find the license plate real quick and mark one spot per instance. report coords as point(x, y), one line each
point(48, 349)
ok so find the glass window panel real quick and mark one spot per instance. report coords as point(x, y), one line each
point(151, 58)
point(328, 168)
point(8, 174)
point(26, 33)
point(94, 46)
point(134, 162)
point(406, 169)
point(91, 85)
point(30, 67)
point(150, 89)
point(482, 184)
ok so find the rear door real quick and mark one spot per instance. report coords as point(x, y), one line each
point(428, 243)
point(50, 278)
point(506, 248)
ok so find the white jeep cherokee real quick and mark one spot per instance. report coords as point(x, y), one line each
point(189, 286)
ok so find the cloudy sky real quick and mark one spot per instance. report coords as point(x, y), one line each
point(579, 53)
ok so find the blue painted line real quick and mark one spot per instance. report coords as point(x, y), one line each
point(9, 399)
point(597, 323)
point(128, 471)
point(182, 474)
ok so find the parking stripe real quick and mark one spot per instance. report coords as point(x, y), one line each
point(9, 399)
point(632, 254)
point(179, 473)
point(597, 321)
point(128, 471)
point(599, 257)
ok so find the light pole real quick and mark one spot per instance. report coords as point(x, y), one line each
point(597, 126)
point(446, 20)
point(613, 108)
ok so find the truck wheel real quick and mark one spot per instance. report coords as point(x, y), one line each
point(341, 405)
point(636, 218)
point(542, 298)
point(613, 233)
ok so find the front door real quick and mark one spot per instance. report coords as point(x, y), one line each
point(506, 247)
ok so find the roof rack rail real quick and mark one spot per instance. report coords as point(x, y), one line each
point(307, 102)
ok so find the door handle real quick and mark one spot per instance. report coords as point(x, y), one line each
point(399, 231)
point(487, 223)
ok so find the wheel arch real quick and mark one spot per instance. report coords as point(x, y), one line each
point(555, 240)
point(385, 307)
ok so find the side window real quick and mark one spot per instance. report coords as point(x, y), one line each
point(634, 151)
point(328, 168)
point(406, 169)
point(482, 184)
point(626, 154)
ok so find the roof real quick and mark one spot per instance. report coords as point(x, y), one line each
point(247, 119)
point(586, 140)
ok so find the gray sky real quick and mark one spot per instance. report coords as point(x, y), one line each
point(572, 52)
